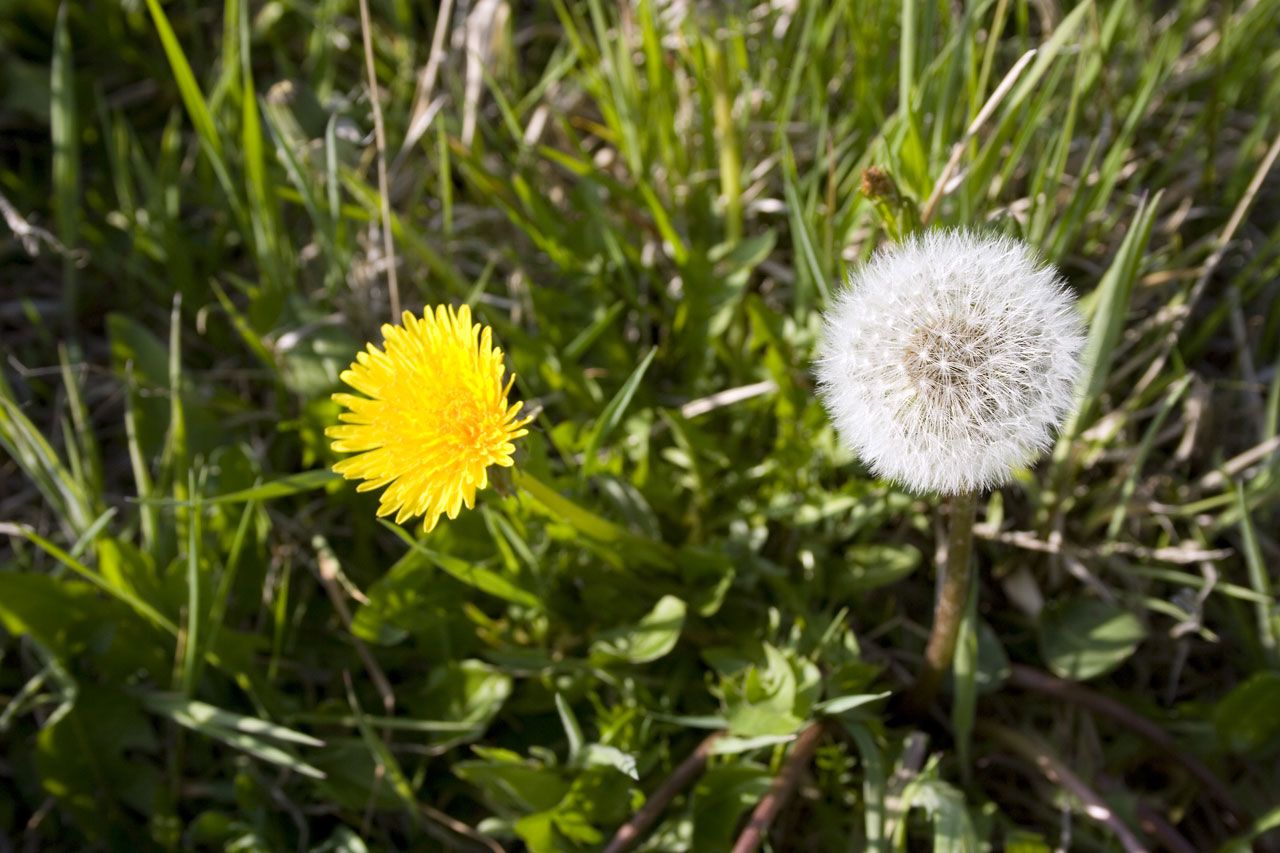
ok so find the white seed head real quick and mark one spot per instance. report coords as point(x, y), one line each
point(950, 360)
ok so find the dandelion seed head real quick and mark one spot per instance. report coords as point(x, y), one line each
point(950, 361)
point(432, 418)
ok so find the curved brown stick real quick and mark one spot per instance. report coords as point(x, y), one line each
point(1032, 750)
point(781, 789)
point(1041, 682)
point(691, 768)
point(1154, 825)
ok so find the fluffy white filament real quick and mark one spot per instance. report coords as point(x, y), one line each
point(949, 361)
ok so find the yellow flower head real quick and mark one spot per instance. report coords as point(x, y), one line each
point(433, 419)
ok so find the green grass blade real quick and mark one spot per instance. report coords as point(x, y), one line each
point(874, 783)
point(65, 131)
point(191, 646)
point(478, 577)
point(1260, 580)
point(203, 714)
point(127, 596)
point(197, 109)
point(383, 757)
point(1107, 308)
point(613, 413)
point(243, 733)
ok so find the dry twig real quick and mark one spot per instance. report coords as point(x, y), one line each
point(691, 768)
point(1032, 750)
point(769, 807)
point(1031, 679)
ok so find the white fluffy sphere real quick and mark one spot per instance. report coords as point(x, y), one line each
point(950, 360)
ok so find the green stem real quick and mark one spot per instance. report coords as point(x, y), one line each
point(949, 611)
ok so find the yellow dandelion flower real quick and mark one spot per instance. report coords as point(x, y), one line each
point(433, 418)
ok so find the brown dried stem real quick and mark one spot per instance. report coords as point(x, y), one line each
point(690, 769)
point(1055, 770)
point(784, 784)
point(1032, 679)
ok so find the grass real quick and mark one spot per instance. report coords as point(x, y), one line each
point(207, 641)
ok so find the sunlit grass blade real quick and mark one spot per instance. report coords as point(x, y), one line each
point(613, 413)
point(197, 109)
point(247, 734)
point(64, 126)
point(1268, 614)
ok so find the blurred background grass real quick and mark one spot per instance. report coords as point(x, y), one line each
point(206, 642)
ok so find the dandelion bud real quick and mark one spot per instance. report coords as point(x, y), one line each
point(950, 360)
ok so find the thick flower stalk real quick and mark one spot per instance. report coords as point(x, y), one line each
point(433, 416)
point(947, 364)
point(949, 361)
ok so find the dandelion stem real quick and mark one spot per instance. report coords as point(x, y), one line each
point(949, 609)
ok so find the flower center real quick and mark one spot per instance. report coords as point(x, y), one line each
point(945, 360)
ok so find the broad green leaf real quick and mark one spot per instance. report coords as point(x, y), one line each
point(652, 637)
point(521, 785)
point(466, 691)
point(351, 775)
point(343, 840)
point(952, 827)
point(873, 566)
point(39, 585)
point(94, 757)
point(1247, 719)
point(733, 745)
point(765, 703)
point(311, 360)
point(1083, 638)
point(409, 600)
